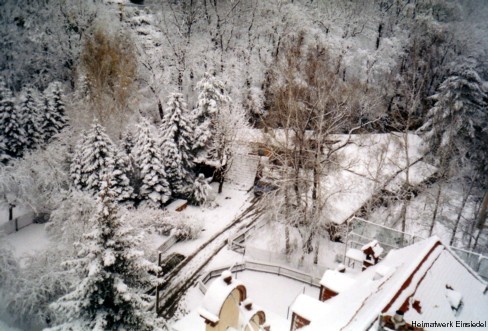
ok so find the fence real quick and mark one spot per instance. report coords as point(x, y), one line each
point(260, 267)
point(477, 262)
point(238, 240)
point(293, 261)
point(360, 232)
point(167, 244)
point(17, 223)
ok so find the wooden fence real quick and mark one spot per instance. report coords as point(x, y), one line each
point(17, 223)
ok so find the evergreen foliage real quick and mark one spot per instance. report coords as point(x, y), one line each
point(114, 277)
point(96, 157)
point(12, 136)
point(200, 191)
point(128, 142)
point(456, 125)
point(119, 181)
point(154, 190)
point(211, 96)
point(54, 119)
point(31, 118)
point(177, 145)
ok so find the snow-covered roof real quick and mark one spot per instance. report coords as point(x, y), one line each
point(336, 281)
point(375, 246)
point(216, 295)
point(248, 314)
point(424, 273)
point(355, 254)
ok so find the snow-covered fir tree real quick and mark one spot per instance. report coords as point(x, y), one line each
point(120, 181)
point(177, 142)
point(54, 117)
point(200, 190)
point(96, 157)
point(31, 118)
point(77, 176)
point(211, 96)
point(127, 143)
point(456, 125)
point(154, 190)
point(114, 277)
point(12, 136)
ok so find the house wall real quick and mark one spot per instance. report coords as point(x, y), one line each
point(254, 324)
point(298, 322)
point(229, 313)
point(326, 294)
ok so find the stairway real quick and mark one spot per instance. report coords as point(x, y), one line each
point(242, 171)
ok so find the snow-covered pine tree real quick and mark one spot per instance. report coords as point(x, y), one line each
point(200, 190)
point(114, 277)
point(154, 190)
point(456, 125)
point(54, 119)
point(97, 158)
point(177, 142)
point(211, 96)
point(31, 118)
point(12, 135)
point(120, 181)
point(77, 176)
point(127, 142)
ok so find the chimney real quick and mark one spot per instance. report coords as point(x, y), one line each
point(227, 277)
point(247, 304)
point(398, 320)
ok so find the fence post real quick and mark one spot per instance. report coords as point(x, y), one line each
point(157, 299)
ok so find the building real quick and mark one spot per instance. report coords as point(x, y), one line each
point(411, 288)
point(225, 307)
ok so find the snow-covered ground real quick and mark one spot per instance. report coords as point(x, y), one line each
point(29, 240)
point(5, 327)
point(264, 247)
point(222, 210)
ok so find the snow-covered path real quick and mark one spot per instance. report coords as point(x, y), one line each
point(177, 282)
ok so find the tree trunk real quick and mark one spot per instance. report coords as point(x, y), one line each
point(287, 240)
point(221, 184)
point(436, 206)
point(10, 211)
point(482, 212)
point(458, 219)
point(316, 253)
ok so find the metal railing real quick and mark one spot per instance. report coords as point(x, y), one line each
point(362, 231)
point(260, 267)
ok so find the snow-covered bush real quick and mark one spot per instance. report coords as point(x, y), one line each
point(39, 179)
point(185, 228)
point(41, 281)
point(8, 266)
point(200, 191)
point(72, 216)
